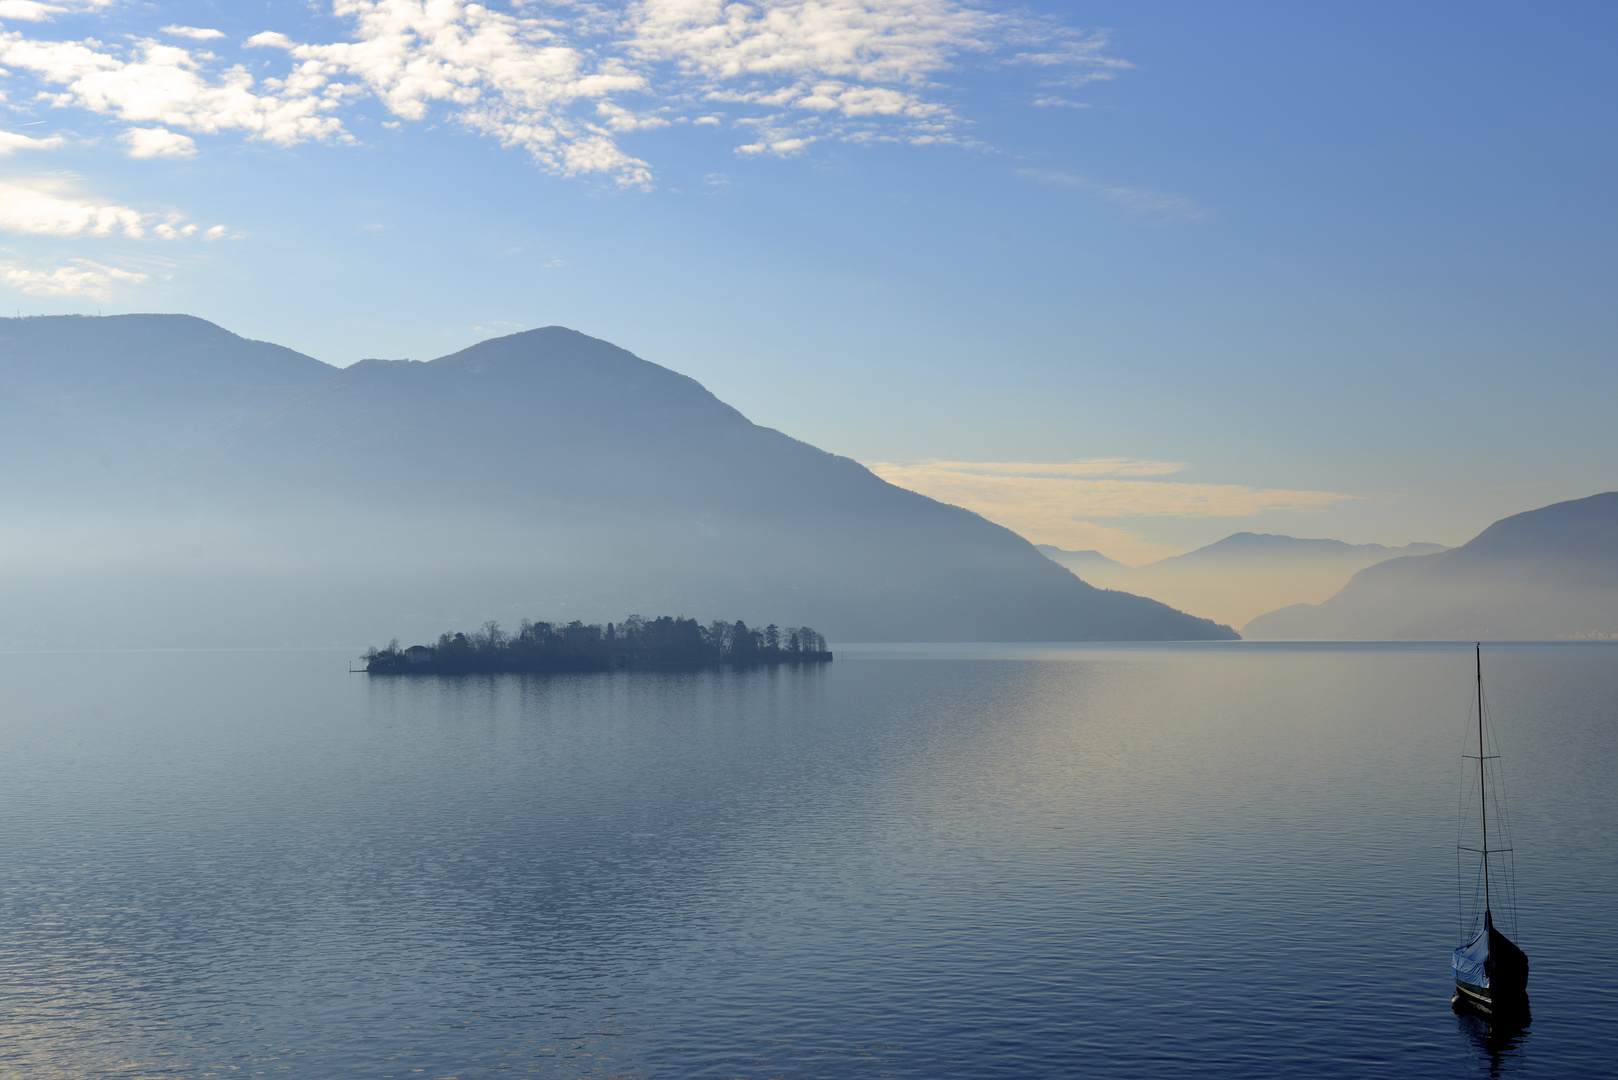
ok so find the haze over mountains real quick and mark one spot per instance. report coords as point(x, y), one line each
point(168, 483)
point(1242, 576)
point(1550, 573)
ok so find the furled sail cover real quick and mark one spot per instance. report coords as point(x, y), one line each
point(1491, 961)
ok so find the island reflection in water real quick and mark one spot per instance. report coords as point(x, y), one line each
point(1177, 860)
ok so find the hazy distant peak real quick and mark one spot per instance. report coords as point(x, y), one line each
point(1088, 557)
point(1545, 573)
point(1249, 545)
point(1249, 541)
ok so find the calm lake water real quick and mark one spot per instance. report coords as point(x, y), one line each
point(1188, 861)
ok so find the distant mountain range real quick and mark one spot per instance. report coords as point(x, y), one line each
point(1550, 573)
point(1087, 564)
point(1241, 576)
point(168, 483)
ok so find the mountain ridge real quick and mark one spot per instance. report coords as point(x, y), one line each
point(1240, 576)
point(1546, 573)
point(541, 474)
point(1272, 544)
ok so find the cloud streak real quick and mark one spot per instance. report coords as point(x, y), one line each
point(49, 207)
point(195, 33)
point(80, 277)
point(52, 206)
point(11, 141)
point(1058, 502)
point(1137, 202)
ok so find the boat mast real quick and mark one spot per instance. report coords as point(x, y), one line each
point(1483, 802)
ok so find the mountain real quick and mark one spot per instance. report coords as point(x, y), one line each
point(1545, 574)
point(1241, 576)
point(170, 483)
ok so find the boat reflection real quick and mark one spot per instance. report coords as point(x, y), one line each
point(1497, 1041)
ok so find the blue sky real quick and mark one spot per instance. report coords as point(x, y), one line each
point(1145, 274)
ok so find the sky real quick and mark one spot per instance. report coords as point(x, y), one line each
point(1124, 276)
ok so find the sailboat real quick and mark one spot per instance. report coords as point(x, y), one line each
point(1491, 972)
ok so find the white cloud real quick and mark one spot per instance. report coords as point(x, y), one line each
point(511, 77)
point(567, 82)
point(11, 140)
point(27, 10)
point(863, 64)
point(157, 142)
point(50, 206)
point(619, 118)
point(869, 41)
point(81, 277)
point(195, 33)
point(778, 147)
point(1057, 502)
point(151, 82)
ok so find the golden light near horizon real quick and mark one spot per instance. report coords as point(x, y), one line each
point(1056, 502)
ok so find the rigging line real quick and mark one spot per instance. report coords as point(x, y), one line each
point(1506, 873)
point(1468, 909)
point(1471, 926)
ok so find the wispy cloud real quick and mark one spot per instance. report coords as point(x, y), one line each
point(843, 60)
point(1134, 201)
point(1060, 502)
point(50, 207)
point(1047, 470)
point(80, 277)
point(517, 78)
point(11, 141)
point(53, 206)
point(567, 82)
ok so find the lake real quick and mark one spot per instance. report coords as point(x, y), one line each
point(1210, 860)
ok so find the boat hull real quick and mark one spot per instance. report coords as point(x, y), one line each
point(1490, 1003)
point(1491, 972)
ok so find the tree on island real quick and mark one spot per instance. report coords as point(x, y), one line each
point(666, 641)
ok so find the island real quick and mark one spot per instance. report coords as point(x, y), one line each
point(664, 642)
